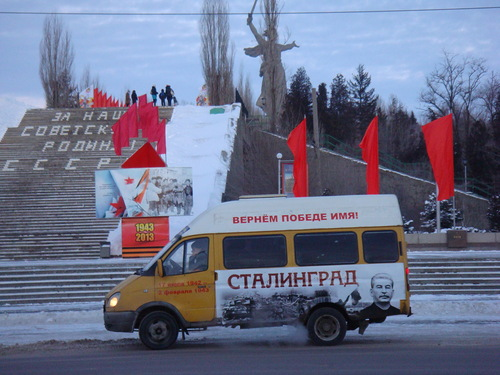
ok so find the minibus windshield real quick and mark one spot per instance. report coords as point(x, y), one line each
point(160, 253)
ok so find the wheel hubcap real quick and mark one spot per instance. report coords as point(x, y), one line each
point(158, 331)
point(327, 328)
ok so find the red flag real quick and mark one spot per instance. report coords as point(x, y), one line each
point(149, 119)
point(438, 136)
point(99, 98)
point(132, 121)
point(161, 146)
point(94, 104)
point(124, 129)
point(369, 147)
point(117, 128)
point(143, 100)
point(297, 143)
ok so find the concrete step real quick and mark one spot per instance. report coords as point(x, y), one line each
point(89, 281)
point(458, 291)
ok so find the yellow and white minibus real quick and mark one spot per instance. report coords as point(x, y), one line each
point(333, 263)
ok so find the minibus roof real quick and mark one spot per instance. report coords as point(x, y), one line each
point(281, 213)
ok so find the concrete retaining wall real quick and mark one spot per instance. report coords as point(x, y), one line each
point(441, 241)
point(254, 170)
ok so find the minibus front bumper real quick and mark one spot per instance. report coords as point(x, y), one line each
point(120, 321)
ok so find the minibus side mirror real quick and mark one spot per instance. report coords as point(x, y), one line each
point(159, 268)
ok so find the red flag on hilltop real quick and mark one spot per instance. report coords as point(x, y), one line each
point(369, 147)
point(132, 121)
point(143, 117)
point(149, 119)
point(117, 137)
point(96, 91)
point(438, 136)
point(143, 100)
point(297, 143)
point(161, 146)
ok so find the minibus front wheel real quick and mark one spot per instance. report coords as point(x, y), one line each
point(326, 326)
point(158, 330)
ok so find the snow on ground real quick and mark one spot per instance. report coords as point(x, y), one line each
point(203, 141)
point(462, 317)
point(456, 315)
point(11, 113)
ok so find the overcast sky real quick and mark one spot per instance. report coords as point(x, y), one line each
point(398, 49)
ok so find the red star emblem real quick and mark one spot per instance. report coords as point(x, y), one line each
point(120, 207)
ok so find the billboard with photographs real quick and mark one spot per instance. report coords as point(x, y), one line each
point(143, 192)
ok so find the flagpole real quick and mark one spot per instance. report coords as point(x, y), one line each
point(438, 211)
point(454, 214)
point(279, 155)
point(316, 139)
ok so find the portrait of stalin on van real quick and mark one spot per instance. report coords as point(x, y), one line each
point(382, 289)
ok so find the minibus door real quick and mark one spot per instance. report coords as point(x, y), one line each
point(188, 280)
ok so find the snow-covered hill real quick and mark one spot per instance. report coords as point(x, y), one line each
point(11, 113)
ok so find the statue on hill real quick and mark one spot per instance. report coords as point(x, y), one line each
point(273, 89)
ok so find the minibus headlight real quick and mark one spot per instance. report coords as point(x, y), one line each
point(113, 300)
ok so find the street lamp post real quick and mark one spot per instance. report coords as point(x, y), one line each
point(279, 155)
point(465, 175)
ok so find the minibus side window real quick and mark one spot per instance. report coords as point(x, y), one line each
point(254, 251)
point(326, 248)
point(380, 246)
point(188, 257)
point(173, 265)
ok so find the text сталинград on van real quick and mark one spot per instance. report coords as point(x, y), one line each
point(332, 263)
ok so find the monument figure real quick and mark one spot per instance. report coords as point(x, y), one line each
point(273, 89)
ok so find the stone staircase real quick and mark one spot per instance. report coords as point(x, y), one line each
point(47, 167)
point(50, 240)
point(25, 283)
point(471, 274)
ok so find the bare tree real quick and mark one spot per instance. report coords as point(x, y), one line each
point(474, 71)
point(217, 55)
point(454, 87)
point(87, 80)
point(443, 88)
point(56, 65)
point(490, 92)
point(245, 89)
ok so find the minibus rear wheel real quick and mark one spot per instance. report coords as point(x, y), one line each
point(158, 330)
point(326, 326)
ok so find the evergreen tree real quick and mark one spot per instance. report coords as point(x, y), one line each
point(496, 122)
point(399, 133)
point(408, 225)
point(363, 99)
point(324, 117)
point(298, 101)
point(428, 216)
point(341, 110)
point(494, 213)
point(479, 162)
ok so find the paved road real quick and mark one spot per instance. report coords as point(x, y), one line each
point(373, 358)
point(460, 348)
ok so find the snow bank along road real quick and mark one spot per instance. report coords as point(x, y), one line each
point(441, 320)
